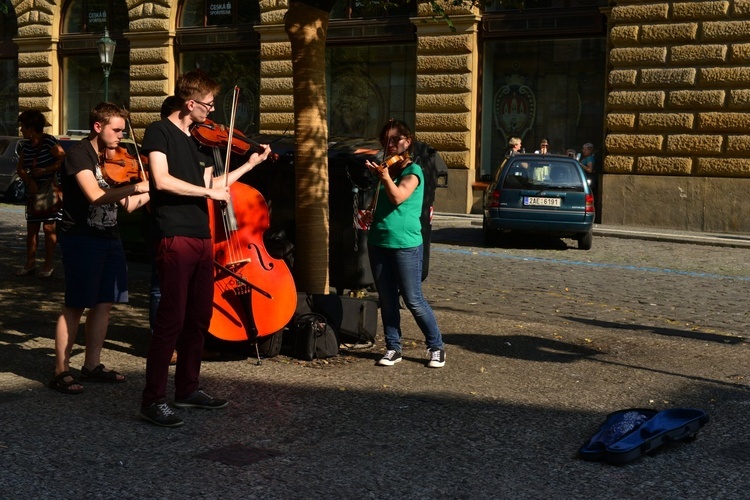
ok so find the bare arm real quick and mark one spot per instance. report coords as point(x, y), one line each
point(131, 196)
point(29, 178)
point(58, 153)
point(397, 193)
point(25, 177)
point(254, 160)
point(135, 201)
point(588, 166)
point(164, 181)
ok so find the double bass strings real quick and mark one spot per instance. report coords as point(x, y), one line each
point(229, 220)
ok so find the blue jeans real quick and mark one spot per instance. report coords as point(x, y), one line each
point(400, 270)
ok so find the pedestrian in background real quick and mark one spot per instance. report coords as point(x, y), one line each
point(587, 159)
point(395, 246)
point(92, 253)
point(38, 166)
point(514, 147)
point(543, 147)
point(587, 162)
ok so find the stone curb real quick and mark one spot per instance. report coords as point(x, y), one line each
point(626, 232)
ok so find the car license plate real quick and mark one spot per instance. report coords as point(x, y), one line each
point(539, 201)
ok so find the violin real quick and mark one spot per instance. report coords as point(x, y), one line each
point(123, 168)
point(387, 164)
point(393, 160)
point(216, 135)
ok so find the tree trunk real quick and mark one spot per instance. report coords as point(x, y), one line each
point(306, 27)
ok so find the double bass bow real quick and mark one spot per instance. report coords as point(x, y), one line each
point(254, 293)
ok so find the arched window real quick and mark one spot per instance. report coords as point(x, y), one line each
point(544, 76)
point(83, 79)
point(219, 13)
point(217, 36)
point(8, 70)
point(371, 64)
point(92, 16)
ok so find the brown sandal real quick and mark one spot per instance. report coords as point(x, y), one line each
point(99, 375)
point(64, 387)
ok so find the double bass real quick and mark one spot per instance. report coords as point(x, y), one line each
point(254, 293)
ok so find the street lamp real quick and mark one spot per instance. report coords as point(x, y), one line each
point(106, 47)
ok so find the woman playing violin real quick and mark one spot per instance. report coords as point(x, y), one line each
point(182, 181)
point(395, 246)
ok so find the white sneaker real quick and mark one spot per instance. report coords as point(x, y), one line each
point(391, 358)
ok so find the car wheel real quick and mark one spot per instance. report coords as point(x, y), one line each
point(490, 234)
point(586, 241)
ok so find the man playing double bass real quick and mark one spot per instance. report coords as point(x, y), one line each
point(182, 184)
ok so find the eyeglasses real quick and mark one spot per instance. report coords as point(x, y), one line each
point(208, 105)
point(395, 140)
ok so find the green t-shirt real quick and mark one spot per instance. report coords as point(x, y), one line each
point(398, 226)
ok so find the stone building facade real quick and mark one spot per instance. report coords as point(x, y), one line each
point(678, 115)
point(672, 120)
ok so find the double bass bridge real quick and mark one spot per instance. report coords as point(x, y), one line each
point(241, 285)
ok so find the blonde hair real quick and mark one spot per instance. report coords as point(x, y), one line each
point(514, 141)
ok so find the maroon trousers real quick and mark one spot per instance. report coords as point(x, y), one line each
point(186, 276)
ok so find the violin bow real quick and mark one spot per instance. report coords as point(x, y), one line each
point(377, 187)
point(135, 144)
point(235, 101)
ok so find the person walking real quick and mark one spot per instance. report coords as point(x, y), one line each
point(395, 246)
point(92, 253)
point(182, 183)
point(38, 167)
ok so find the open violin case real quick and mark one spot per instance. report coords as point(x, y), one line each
point(629, 434)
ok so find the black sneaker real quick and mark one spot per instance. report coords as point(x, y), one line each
point(391, 358)
point(160, 413)
point(437, 358)
point(200, 399)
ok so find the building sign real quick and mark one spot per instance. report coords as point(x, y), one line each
point(97, 20)
point(219, 12)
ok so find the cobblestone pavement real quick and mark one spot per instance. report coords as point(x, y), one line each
point(651, 285)
point(543, 340)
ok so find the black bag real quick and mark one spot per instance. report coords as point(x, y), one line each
point(314, 338)
point(354, 320)
point(270, 345)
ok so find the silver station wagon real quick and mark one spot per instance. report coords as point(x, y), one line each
point(539, 194)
